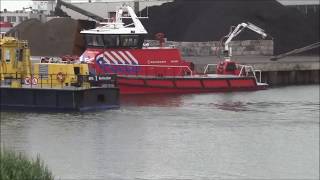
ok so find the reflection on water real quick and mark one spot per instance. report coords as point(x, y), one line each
point(270, 134)
point(232, 106)
point(166, 100)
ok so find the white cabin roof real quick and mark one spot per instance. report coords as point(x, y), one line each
point(114, 30)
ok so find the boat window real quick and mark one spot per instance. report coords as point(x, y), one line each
point(8, 56)
point(89, 40)
point(111, 41)
point(114, 41)
point(94, 40)
point(19, 54)
point(129, 40)
point(231, 67)
point(76, 70)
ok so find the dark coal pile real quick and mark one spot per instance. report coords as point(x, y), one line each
point(209, 20)
point(57, 37)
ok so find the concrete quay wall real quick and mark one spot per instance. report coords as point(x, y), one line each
point(212, 48)
point(282, 78)
point(296, 73)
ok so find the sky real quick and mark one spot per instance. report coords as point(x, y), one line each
point(12, 5)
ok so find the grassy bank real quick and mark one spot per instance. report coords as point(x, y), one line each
point(16, 166)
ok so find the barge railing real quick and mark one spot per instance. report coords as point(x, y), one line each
point(56, 81)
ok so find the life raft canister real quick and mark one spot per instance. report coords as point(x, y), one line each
point(61, 77)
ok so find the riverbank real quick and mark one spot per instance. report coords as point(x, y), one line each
point(17, 166)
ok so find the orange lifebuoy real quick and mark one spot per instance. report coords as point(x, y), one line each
point(61, 77)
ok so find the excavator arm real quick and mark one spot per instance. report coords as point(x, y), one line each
point(137, 23)
point(236, 31)
point(79, 10)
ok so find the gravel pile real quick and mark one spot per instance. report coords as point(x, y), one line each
point(209, 20)
point(185, 20)
point(57, 37)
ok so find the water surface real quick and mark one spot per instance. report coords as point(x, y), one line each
point(271, 134)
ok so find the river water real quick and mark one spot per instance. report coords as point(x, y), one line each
point(270, 134)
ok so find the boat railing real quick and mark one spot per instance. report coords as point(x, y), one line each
point(259, 73)
point(207, 68)
point(56, 81)
point(153, 70)
point(157, 47)
point(248, 70)
point(244, 70)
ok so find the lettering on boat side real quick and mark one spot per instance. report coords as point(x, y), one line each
point(174, 61)
point(157, 61)
point(99, 78)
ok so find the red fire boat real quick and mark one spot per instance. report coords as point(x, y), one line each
point(116, 47)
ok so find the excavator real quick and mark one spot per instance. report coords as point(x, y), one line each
point(234, 32)
point(237, 30)
point(227, 66)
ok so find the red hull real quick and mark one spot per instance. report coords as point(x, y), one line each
point(162, 71)
point(147, 85)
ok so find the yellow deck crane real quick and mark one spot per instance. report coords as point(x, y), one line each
point(14, 59)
